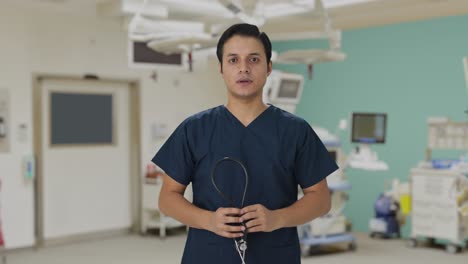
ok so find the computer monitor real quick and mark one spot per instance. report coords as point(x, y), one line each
point(369, 128)
point(286, 88)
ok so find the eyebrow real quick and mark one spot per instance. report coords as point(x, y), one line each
point(250, 54)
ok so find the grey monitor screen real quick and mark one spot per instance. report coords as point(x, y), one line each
point(369, 128)
point(289, 89)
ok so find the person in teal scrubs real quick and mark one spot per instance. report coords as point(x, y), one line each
point(278, 150)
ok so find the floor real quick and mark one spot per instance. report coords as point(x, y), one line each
point(148, 249)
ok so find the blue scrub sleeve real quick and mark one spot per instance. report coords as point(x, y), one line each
point(175, 157)
point(313, 162)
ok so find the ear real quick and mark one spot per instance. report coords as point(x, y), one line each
point(220, 68)
point(269, 68)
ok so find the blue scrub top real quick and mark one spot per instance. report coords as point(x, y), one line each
point(279, 150)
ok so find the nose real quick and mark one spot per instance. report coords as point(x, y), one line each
point(244, 67)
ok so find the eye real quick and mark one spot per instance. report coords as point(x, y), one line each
point(255, 59)
point(232, 60)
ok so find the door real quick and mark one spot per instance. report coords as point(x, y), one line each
point(85, 157)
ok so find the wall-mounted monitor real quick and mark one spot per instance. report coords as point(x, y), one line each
point(369, 128)
point(286, 88)
point(140, 56)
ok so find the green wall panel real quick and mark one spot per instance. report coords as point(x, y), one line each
point(411, 71)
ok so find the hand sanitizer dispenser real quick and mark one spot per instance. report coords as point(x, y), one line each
point(29, 167)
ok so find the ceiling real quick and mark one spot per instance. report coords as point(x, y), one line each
point(359, 15)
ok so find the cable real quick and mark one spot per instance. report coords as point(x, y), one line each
point(240, 243)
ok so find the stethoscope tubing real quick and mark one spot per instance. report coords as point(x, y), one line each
point(213, 174)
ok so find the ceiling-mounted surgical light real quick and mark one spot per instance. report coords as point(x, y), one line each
point(150, 9)
point(210, 8)
point(179, 42)
point(333, 3)
point(310, 56)
point(145, 25)
point(284, 9)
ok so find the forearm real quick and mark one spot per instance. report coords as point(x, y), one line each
point(175, 205)
point(309, 207)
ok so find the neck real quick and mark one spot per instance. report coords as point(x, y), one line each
point(246, 110)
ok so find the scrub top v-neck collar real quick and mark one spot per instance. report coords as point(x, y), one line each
point(257, 119)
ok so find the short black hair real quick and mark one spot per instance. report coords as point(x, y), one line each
point(243, 29)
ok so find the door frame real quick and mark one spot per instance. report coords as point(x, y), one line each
point(135, 152)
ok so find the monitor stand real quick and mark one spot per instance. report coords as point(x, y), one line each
point(364, 158)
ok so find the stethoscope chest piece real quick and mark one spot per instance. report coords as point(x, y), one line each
point(243, 245)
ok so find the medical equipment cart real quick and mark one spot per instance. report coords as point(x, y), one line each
point(438, 201)
point(152, 217)
point(439, 196)
point(333, 228)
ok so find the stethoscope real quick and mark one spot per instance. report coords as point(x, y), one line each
point(240, 242)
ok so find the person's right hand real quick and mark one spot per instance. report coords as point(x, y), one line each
point(221, 219)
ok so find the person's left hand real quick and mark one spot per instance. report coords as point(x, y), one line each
point(258, 218)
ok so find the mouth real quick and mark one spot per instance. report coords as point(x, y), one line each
point(244, 81)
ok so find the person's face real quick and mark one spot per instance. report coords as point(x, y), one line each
point(244, 67)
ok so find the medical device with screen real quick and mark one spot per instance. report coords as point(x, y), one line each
point(369, 128)
point(286, 88)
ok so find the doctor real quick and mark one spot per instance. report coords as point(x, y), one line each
point(278, 150)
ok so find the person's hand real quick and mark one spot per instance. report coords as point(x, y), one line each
point(225, 222)
point(258, 218)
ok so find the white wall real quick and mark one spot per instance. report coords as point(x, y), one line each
point(31, 43)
